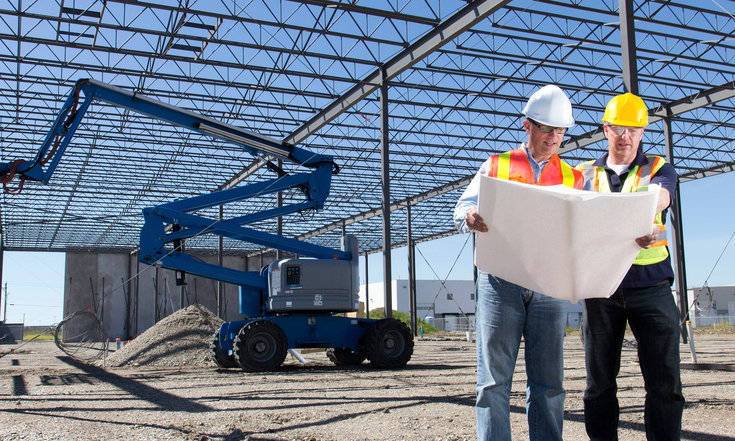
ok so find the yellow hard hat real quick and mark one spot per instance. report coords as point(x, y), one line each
point(626, 110)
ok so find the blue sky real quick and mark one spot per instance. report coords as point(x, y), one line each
point(36, 280)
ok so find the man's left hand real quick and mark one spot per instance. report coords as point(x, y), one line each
point(648, 240)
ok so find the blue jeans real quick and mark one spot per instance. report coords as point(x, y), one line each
point(654, 320)
point(505, 312)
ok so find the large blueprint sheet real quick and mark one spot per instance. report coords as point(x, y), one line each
point(565, 243)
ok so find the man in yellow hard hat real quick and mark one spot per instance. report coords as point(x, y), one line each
point(507, 312)
point(644, 299)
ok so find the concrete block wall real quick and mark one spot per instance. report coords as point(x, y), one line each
point(128, 298)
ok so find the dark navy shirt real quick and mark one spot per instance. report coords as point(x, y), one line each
point(642, 276)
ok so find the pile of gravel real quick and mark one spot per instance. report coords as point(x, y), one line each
point(181, 339)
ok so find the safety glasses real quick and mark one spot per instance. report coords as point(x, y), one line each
point(620, 130)
point(548, 129)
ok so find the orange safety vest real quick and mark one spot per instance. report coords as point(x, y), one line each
point(514, 166)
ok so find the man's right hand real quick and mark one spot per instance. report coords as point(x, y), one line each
point(474, 221)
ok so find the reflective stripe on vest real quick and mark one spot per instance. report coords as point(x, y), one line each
point(638, 179)
point(514, 166)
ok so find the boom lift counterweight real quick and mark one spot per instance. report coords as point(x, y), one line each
point(293, 303)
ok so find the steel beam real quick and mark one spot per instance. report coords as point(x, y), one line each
point(348, 7)
point(398, 205)
point(671, 109)
point(445, 32)
point(710, 171)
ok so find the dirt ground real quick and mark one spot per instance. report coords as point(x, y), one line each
point(46, 395)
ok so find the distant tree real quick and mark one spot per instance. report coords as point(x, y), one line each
point(379, 313)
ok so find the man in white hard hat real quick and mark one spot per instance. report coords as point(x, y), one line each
point(507, 312)
point(643, 300)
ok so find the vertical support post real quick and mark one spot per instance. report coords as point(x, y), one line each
point(677, 244)
point(2, 255)
point(220, 262)
point(102, 300)
point(627, 46)
point(475, 275)
point(474, 268)
point(2, 263)
point(385, 173)
point(155, 296)
point(627, 49)
point(137, 292)
point(367, 289)
point(129, 299)
point(411, 275)
point(279, 221)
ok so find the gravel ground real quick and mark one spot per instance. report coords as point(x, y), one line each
point(46, 395)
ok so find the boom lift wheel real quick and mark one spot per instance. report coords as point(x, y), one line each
point(346, 356)
point(389, 344)
point(260, 346)
point(218, 355)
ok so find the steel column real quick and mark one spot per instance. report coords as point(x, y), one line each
point(128, 300)
point(2, 255)
point(385, 177)
point(220, 262)
point(627, 46)
point(367, 289)
point(411, 275)
point(677, 244)
point(156, 311)
point(137, 292)
point(474, 268)
point(279, 220)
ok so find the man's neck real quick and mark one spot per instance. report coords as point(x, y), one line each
point(535, 158)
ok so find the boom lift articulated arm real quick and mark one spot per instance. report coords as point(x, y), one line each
point(155, 235)
point(294, 303)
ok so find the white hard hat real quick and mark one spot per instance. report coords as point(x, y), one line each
point(550, 106)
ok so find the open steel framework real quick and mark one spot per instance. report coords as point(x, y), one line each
point(456, 75)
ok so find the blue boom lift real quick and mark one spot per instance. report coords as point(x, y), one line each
point(292, 303)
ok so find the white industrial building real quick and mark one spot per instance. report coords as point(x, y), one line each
point(451, 305)
point(713, 305)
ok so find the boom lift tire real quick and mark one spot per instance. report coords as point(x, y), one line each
point(346, 356)
point(389, 344)
point(260, 346)
point(218, 356)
